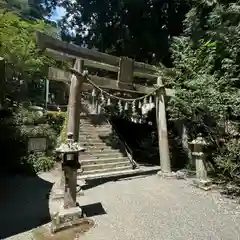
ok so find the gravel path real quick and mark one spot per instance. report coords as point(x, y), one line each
point(151, 208)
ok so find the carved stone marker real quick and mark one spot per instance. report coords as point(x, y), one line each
point(36, 144)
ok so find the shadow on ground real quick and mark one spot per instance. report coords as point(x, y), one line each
point(23, 204)
point(94, 209)
point(97, 182)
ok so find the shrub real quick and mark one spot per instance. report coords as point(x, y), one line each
point(54, 119)
point(39, 161)
point(228, 161)
point(207, 86)
point(17, 127)
point(63, 134)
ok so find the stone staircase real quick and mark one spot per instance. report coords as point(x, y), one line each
point(105, 154)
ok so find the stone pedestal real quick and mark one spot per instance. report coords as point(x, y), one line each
point(203, 184)
point(167, 175)
point(69, 214)
point(66, 218)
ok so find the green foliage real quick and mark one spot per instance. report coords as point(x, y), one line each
point(26, 66)
point(207, 80)
point(228, 160)
point(22, 116)
point(55, 120)
point(63, 134)
point(18, 43)
point(39, 162)
point(18, 127)
point(13, 146)
point(138, 29)
point(34, 10)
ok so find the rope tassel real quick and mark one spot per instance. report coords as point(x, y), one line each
point(126, 106)
point(139, 104)
point(109, 102)
point(134, 107)
point(102, 98)
point(94, 93)
point(145, 101)
point(120, 106)
point(150, 99)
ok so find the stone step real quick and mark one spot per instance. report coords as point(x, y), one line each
point(96, 151)
point(98, 155)
point(105, 166)
point(89, 125)
point(83, 129)
point(104, 170)
point(91, 140)
point(92, 161)
point(97, 144)
point(95, 134)
point(123, 173)
point(98, 148)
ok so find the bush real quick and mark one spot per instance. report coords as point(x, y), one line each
point(63, 134)
point(13, 145)
point(15, 129)
point(39, 162)
point(54, 119)
point(228, 161)
point(207, 86)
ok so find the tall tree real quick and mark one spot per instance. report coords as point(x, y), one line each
point(25, 63)
point(207, 81)
point(140, 29)
point(33, 9)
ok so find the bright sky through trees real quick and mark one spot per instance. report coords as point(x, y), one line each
point(57, 13)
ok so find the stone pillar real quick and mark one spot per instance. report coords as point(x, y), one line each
point(198, 154)
point(58, 188)
point(165, 162)
point(70, 194)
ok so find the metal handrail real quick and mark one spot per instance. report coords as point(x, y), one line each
point(128, 150)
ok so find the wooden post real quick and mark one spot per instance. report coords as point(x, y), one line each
point(74, 101)
point(2, 81)
point(162, 132)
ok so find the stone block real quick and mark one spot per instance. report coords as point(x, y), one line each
point(203, 184)
point(66, 218)
point(167, 175)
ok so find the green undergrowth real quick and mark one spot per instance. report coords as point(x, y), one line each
point(17, 125)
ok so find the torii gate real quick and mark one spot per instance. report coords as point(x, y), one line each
point(125, 67)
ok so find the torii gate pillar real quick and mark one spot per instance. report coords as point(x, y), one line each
point(165, 162)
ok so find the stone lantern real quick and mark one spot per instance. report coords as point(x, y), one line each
point(198, 153)
point(70, 212)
